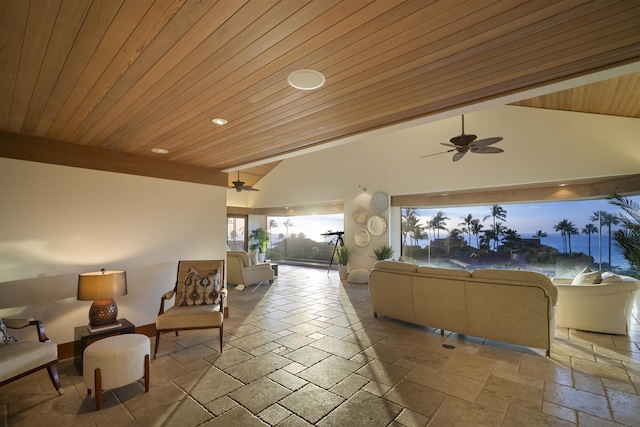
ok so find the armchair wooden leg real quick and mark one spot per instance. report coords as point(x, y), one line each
point(97, 380)
point(221, 338)
point(146, 373)
point(155, 350)
point(52, 370)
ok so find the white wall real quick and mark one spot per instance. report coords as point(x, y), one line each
point(60, 221)
point(540, 146)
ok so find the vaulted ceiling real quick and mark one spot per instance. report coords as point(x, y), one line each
point(129, 76)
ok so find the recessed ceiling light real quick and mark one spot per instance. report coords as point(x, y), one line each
point(159, 150)
point(219, 121)
point(306, 79)
point(563, 185)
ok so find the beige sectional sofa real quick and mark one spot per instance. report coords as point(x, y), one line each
point(504, 305)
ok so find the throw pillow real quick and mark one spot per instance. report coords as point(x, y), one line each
point(609, 277)
point(5, 338)
point(201, 289)
point(253, 256)
point(587, 277)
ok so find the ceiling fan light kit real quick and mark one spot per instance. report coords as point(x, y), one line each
point(467, 142)
point(239, 185)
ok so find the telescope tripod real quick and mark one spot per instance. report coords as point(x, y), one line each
point(337, 241)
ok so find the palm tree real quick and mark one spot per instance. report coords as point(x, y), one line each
point(562, 228)
point(476, 229)
point(497, 212)
point(540, 234)
point(628, 238)
point(272, 224)
point(597, 216)
point(608, 220)
point(438, 222)
point(589, 229)
point(571, 231)
point(409, 222)
point(287, 223)
point(500, 229)
point(467, 221)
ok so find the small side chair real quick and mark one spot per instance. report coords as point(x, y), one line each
point(21, 358)
point(198, 303)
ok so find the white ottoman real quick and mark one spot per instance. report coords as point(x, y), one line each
point(359, 276)
point(114, 362)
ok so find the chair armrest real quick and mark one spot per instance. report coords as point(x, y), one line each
point(223, 295)
point(17, 322)
point(23, 322)
point(166, 296)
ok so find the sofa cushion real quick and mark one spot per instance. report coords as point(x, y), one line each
point(444, 272)
point(587, 277)
point(609, 277)
point(395, 266)
point(5, 338)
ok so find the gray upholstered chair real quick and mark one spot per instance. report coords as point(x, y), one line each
point(21, 358)
point(242, 272)
point(198, 300)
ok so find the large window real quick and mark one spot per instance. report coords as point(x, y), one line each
point(303, 238)
point(236, 232)
point(555, 238)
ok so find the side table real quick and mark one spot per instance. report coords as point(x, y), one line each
point(83, 337)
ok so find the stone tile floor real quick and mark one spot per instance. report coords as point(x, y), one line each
point(308, 351)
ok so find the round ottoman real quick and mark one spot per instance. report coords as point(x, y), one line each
point(359, 276)
point(114, 362)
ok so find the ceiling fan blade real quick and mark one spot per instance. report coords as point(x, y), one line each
point(458, 155)
point(486, 141)
point(446, 144)
point(486, 150)
point(249, 188)
point(436, 154)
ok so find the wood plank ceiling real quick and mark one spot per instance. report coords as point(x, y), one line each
point(133, 75)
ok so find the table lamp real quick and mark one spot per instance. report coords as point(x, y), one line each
point(101, 287)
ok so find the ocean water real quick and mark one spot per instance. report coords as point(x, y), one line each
point(580, 243)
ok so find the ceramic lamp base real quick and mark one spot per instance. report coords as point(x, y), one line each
point(102, 313)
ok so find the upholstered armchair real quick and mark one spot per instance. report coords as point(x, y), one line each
point(242, 272)
point(198, 300)
point(605, 307)
point(21, 358)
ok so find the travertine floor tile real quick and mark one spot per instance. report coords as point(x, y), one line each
point(307, 351)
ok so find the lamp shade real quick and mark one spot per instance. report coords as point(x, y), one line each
point(102, 284)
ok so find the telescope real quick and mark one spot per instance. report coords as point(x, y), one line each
point(333, 233)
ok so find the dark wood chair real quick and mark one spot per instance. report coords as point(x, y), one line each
point(21, 358)
point(198, 300)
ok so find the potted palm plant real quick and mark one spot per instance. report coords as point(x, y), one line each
point(342, 254)
point(260, 236)
point(382, 252)
point(628, 237)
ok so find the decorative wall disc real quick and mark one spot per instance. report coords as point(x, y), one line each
point(360, 214)
point(362, 237)
point(379, 202)
point(376, 225)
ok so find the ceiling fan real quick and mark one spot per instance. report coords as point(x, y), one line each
point(463, 143)
point(239, 185)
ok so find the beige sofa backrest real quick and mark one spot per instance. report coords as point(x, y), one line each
point(505, 305)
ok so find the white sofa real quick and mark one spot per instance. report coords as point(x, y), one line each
point(604, 307)
point(241, 272)
point(503, 305)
